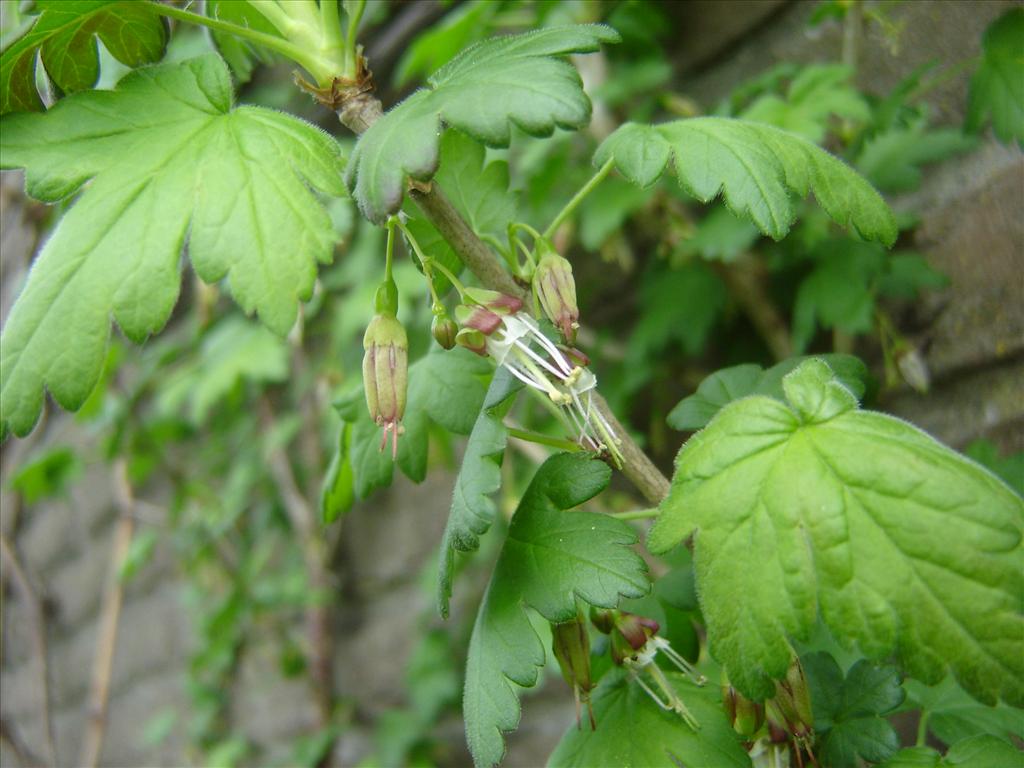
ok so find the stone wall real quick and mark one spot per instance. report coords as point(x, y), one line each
point(972, 229)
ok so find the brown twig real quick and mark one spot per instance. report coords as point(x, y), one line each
point(38, 621)
point(98, 703)
point(489, 269)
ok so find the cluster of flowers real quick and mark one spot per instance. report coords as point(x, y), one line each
point(494, 324)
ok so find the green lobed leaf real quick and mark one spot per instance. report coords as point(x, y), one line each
point(729, 384)
point(634, 732)
point(997, 87)
point(901, 544)
point(954, 716)
point(817, 93)
point(975, 752)
point(892, 160)
point(472, 510)
point(848, 713)
point(520, 80)
point(64, 36)
point(166, 156)
point(447, 388)
point(759, 169)
point(550, 559)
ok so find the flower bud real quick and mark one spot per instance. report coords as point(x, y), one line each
point(746, 716)
point(444, 329)
point(553, 283)
point(571, 645)
point(791, 707)
point(386, 374)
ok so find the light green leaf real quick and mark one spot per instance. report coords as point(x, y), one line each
point(729, 384)
point(235, 350)
point(472, 510)
point(901, 544)
point(954, 716)
point(997, 88)
point(444, 387)
point(550, 558)
point(166, 156)
point(240, 54)
point(634, 732)
point(760, 170)
point(892, 160)
point(46, 475)
point(817, 93)
point(65, 35)
point(848, 712)
point(521, 80)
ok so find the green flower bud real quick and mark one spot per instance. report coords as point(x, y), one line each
point(746, 716)
point(553, 283)
point(791, 707)
point(571, 645)
point(386, 375)
point(444, 330)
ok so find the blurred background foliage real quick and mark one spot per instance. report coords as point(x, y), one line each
point(235, 429)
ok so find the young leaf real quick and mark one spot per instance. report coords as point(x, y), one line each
point(901, 544)
point(472, 510)
point(997, 88)
point(758, 168)
point(166, 155)
point(550, 558)
point(848, 712)
point(65, 35)
point(634, 731)
point(729, 384)
point(521, 79)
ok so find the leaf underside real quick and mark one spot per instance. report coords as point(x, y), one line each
point(167, 160)
point(520, 80)
point(64, 36)
point(760, 171)
point(900, 543)
point(550, 558)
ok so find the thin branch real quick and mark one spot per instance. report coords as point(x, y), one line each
point(38, 620)
point(745, 280)
point(98, 704)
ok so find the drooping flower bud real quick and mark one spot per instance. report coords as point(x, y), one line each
point(746, 716)
point(386, 374)
point(444, 329)
point(556, 290)
point(571, 645)
point(791, 707)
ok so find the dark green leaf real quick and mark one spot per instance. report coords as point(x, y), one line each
point(759, 170)
point(521, 80)
point(634, 731)
point(241, 55)
point(1010, 468)
point(729, 384)
point(472, 510)
point(954, 716)
point(339, 490)
point(65, 34)
point(997, 88)
point(606, 209)
point(902, 545)
point(848, 713)
point(46, 475)
point(550, 559)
